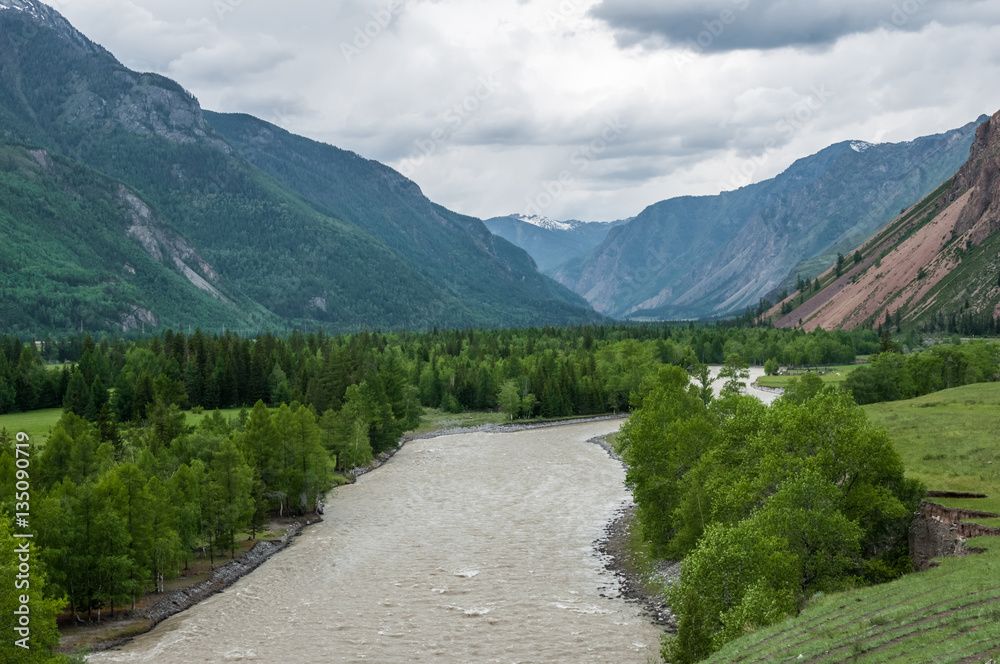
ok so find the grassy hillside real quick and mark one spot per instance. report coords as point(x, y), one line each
point(949, 440)
point(948, 614)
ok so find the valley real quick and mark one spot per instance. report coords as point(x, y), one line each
point(499, 332)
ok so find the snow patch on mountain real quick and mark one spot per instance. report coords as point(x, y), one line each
point(861, 146)
point(33, 8)
point(49, 17)
point(546, 223)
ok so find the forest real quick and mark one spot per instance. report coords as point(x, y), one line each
point(125, 491)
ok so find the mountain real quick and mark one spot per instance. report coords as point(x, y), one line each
point(551, 243)
point(485, 275)
point(341, 249)
point(82, 251)
point(695, 257)
point(935, 266)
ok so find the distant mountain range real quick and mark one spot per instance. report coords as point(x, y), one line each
point(551, 243)
point(934, 267)
point(130, 206)
point(710, 256)
point(124, 205)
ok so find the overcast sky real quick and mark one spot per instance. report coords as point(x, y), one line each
point(588, 109)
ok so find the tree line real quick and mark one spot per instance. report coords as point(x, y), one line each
point(571, 371)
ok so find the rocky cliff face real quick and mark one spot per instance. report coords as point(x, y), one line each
point(936, 262)
point(981, 174)
point(941, 532)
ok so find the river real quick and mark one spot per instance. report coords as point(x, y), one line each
point(466, 548)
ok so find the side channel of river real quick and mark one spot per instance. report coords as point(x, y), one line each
point(466, 548)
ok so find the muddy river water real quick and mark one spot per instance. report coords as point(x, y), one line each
point(467, 548)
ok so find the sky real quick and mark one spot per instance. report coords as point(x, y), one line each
point(572, 109)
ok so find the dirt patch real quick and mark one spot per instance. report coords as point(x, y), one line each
point(954, 494)
point(941, 532)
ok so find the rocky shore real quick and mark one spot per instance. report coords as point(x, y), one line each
point(645, 587)
point(130, 624)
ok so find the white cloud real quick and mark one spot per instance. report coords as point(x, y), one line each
point(562, 71)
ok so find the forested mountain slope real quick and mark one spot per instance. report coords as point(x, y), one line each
point(454, 251)
point(693, 257)
point(82, 251)
point(283, 257)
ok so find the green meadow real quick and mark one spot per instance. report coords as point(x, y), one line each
point(831, 375)
point(37, 423)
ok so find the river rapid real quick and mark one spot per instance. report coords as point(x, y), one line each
point(466, 548)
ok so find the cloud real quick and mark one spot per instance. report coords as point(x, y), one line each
point(409, 98)
point(728, 25)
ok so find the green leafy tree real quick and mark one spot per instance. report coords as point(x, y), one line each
point(703, 375)
point(77, 395)
point(348, 430)
point(187, 495)
point(230, 484)
point(802, 388)
point(510, 398)
point(41, 635)
point(661, 442)
point(164, 541)
point(737, 580)
point(735, 373)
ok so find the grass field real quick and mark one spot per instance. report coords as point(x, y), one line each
point(950, 440)
point(828, 374)
point(948, 614)
point(436, 420)
point(37, 423)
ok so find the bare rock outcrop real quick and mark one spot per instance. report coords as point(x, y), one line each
point(981, 175)
point(941, 532)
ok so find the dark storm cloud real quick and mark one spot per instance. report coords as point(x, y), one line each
point(728, 25)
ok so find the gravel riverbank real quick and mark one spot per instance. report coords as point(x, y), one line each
point(634, 583)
